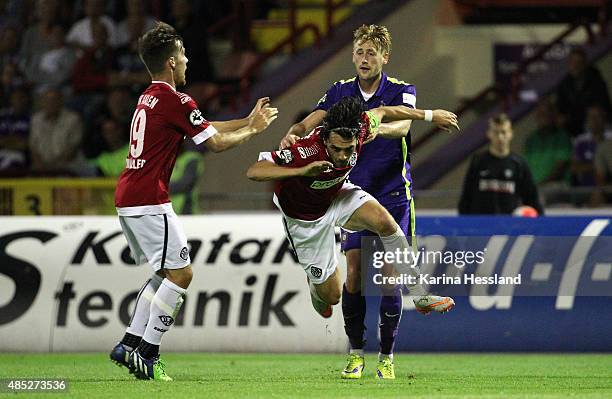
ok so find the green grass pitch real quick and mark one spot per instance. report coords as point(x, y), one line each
point(200, 375)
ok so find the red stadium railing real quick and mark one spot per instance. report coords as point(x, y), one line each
point(246, 77)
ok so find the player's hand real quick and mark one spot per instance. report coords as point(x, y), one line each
point(316, 168)
point(262, 118)
point(261, 103)
point(288, 141)
point(445, 120)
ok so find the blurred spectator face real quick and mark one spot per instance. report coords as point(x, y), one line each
point(113, 133)
point(9, 40)
point(118, 103)
point(546, 115)
point(46, 10)
point(94, 8)
point(135, 8)
point(57, 36)
point(99, 35)
point(596, 120)
point(135, 27)
point(181, 9)
point(500, 134)
point(52, 103)
point(576, 63)
point(20, 101)
point(9, 73)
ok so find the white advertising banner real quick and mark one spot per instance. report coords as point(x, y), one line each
point(69, 284)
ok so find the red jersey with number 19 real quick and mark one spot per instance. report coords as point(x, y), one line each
point(163, 118)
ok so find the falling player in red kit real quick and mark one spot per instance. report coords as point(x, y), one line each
point(163, 118)
point(314, 197)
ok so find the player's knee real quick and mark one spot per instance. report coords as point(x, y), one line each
point(333, 298)
point(181, 277)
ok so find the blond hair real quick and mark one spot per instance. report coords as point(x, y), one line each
point(378, 34)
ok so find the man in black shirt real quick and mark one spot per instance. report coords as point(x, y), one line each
point(498, 181)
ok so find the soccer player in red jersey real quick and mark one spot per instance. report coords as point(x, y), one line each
point(314, 197)
point(164, 117)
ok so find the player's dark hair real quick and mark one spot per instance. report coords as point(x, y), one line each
point(157, 45)
point(344, 118)
point(499, 119)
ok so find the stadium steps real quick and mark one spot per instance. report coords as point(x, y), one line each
point(446, 157)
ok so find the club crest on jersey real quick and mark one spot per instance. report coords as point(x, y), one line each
point(284, 156)
point(196, 118)
point(166, 320)
point(315, 272)
point(184, 253)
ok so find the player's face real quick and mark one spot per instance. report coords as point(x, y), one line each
point(500, 135)
point(340, 149)
point(180, 67)
point(368, 60)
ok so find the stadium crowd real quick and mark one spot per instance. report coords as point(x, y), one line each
point(70, 75)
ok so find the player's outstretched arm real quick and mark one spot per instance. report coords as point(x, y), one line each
point(444, 119)
point(235, 124)
point(266, 170)
point(257, 123)
point(298, 130)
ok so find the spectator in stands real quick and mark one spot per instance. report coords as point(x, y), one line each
point(9, 46)
point(82, 32)
point(92, 70)
point(603, 174)
point(10, 79)
point(498, 181)
point(128, 68)
point(118, 106)
point(136, 16)
point(36, 39)
point(585, 146)
point(582, 88)
point(55, 136)
point(548, 149)
point(195, 39)
point(112, 161)
point(14, 129)
point(56, 64)
point(92, 75)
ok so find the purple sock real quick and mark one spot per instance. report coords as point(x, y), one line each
point(390, 314)
point(354, 311)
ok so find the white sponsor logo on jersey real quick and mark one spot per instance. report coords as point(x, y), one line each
point(306, 152)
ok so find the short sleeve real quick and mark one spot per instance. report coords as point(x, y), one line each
point(329, 98)
point(191, 121)
point(406, 96)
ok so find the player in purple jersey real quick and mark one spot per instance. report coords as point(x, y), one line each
point(383, 171)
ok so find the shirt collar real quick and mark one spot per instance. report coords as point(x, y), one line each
point(162, 82)
point(381, 86)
